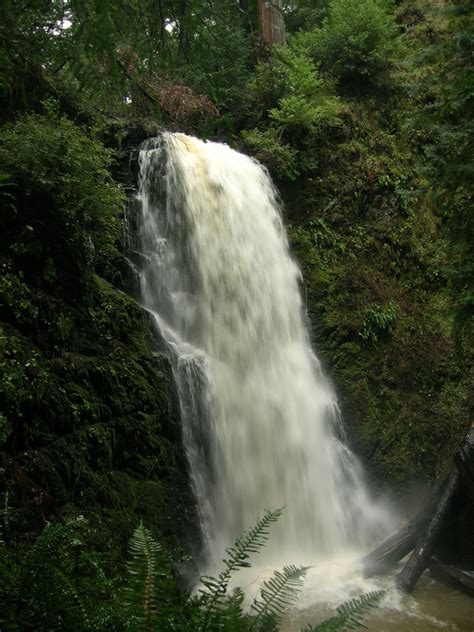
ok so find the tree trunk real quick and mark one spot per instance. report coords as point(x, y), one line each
point(418, 560)
point(394, 548)
point(183, 28)
point(420, 557)
point(271, 22)
point(452, 576)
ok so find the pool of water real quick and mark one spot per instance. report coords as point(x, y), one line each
point(432, 606)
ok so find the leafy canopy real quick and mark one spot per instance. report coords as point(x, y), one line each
point(50, 158)
point(355, 42)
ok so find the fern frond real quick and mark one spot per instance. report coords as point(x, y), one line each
point(48, 578)
point(143, 550)
point(350, 614)
point(49, 543)
point(142, 545)
point(276, 596)
point(232, 616)
point(354, 610)
point(68, 590)
point(251, 541)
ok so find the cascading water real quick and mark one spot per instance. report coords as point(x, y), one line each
point(261, 422)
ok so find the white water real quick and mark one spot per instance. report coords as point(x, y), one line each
point(261, 421)
point(433, 607)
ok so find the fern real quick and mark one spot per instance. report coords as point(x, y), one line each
point(144, 550)
point(276, 596)
point(350, 614)
point(48, 577)
point(70, 592)
point(215, 589)
point(53, 538)
point(55, 567)
point(232, 617)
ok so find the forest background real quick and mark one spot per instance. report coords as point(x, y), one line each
point(364, 120)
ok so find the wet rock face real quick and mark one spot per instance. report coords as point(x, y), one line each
point(98, 428)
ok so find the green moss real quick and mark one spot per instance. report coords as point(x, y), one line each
point(373, 256)
point(90, 416)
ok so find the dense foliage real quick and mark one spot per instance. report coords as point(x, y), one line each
point(356, 123)
point(59, 584)
point(363, 119)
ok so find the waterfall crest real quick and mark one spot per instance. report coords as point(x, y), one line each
point(261, 423)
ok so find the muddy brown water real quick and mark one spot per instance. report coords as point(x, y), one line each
point(433, 606)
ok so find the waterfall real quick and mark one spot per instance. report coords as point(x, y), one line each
point(261, 423)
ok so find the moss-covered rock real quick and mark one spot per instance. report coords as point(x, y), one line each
point(95, 428)
point(373, 257)
point(89, 418)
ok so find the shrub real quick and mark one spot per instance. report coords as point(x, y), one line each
point(268, 148)
point(305, 100)
point(356, 40)
point(62, 183)
point(378, 320)
point(304, 106)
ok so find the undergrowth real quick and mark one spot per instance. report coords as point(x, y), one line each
point(59, 584)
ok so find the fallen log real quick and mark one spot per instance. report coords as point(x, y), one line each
point(418, 560)
point(395, 547)
point(466, 468)
point(420, 557)
point(452, 576)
